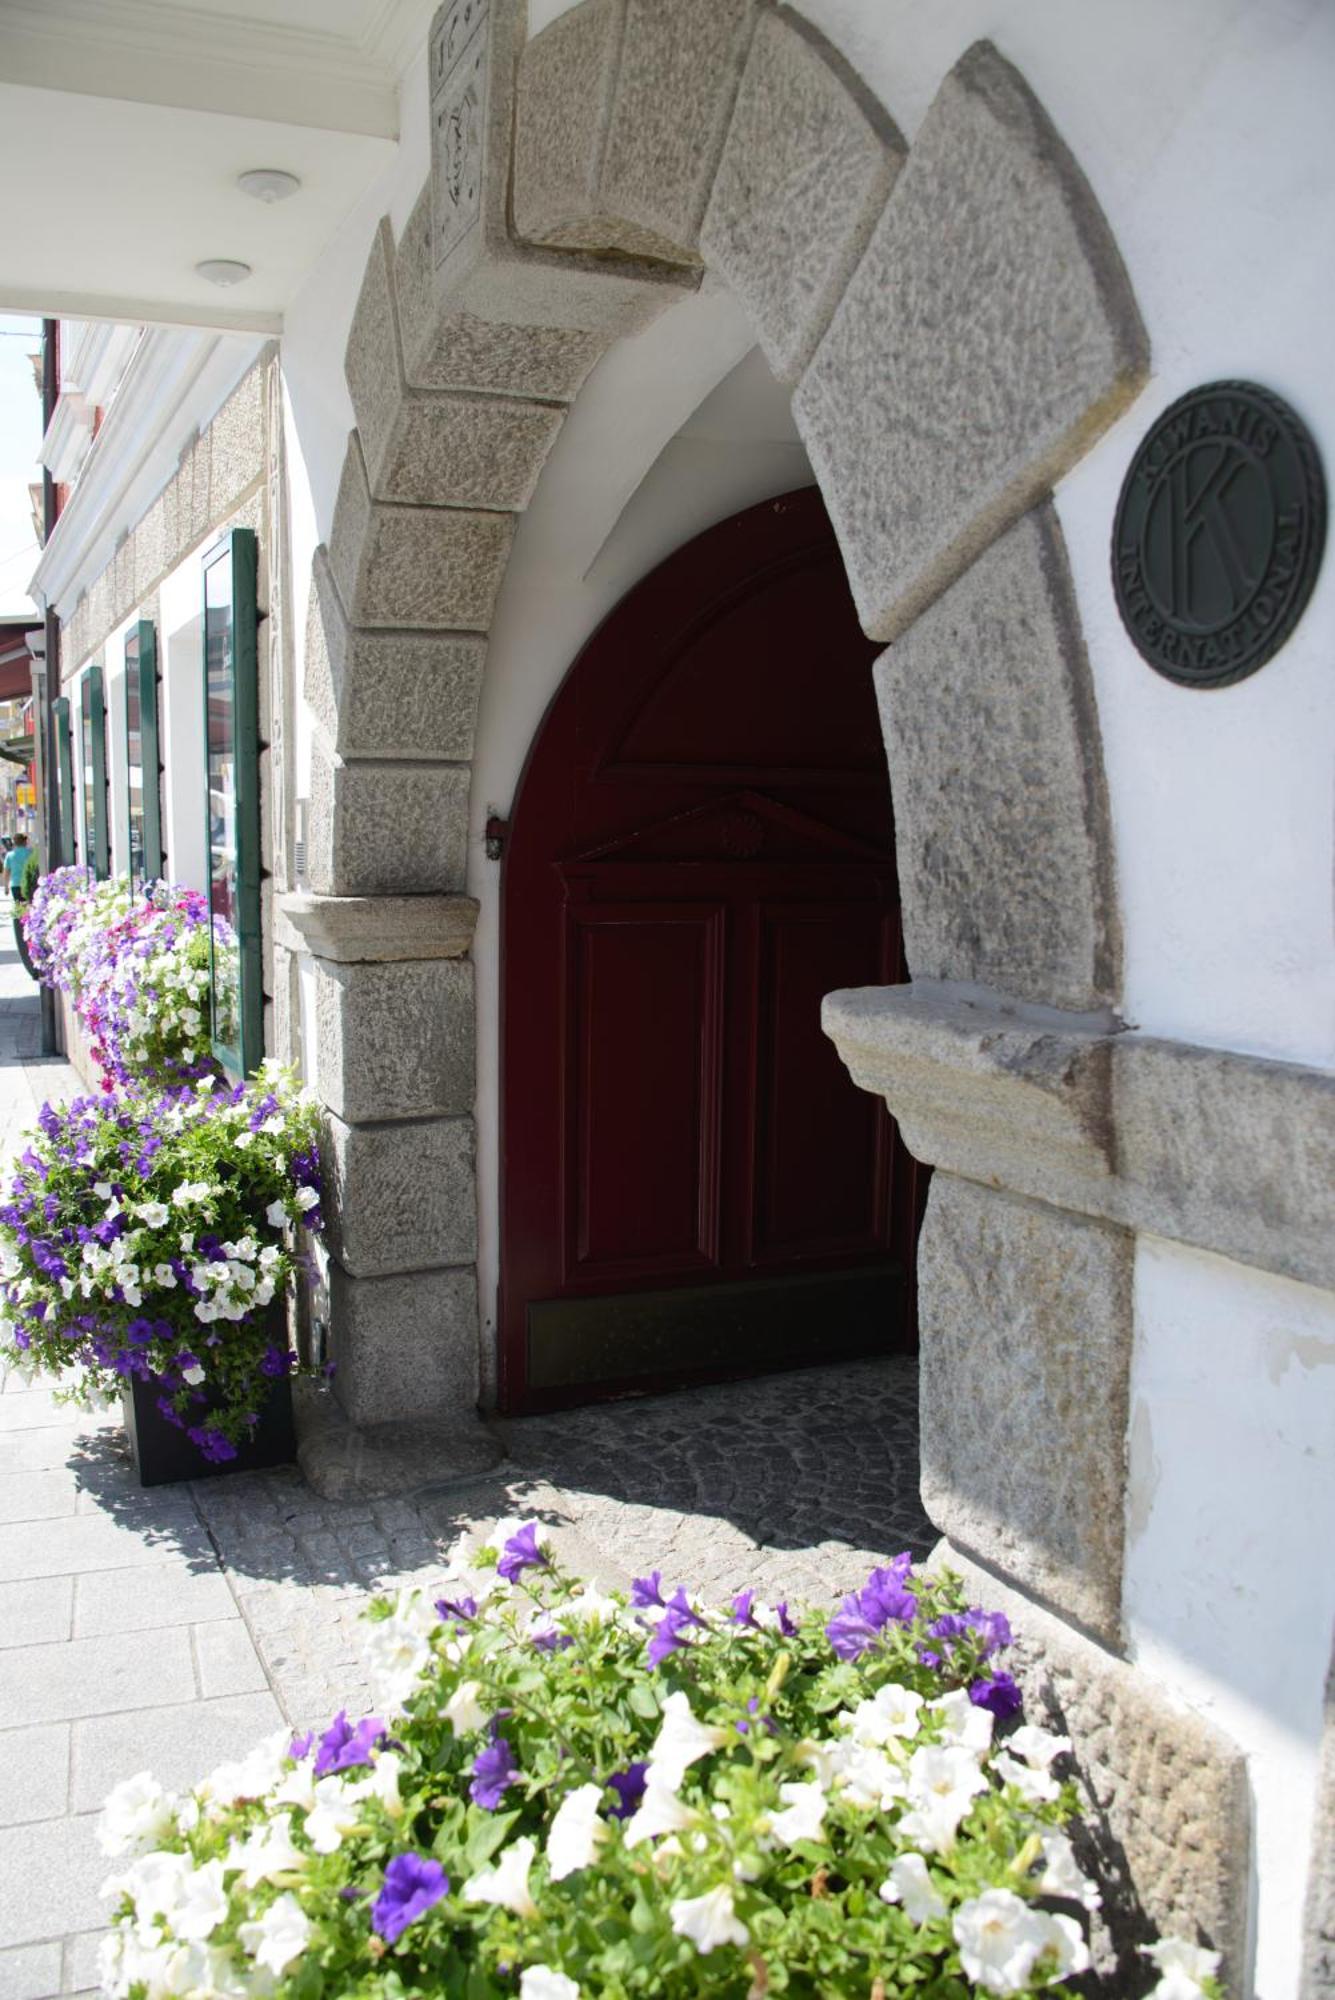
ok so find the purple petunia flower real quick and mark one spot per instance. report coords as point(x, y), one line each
point(300, 1746)
point(462, 1609)
point(741, 1610)
point(342, 1746)
point(521, 1552)
point(883, 1600)
point(629, 1788)
point(670, 1632)
point(550, 1638)
point(493, 1770)
point(413, 1885)
point(647, 1590)
point(999, 1693)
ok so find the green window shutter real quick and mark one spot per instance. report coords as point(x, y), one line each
point(232, 798)
point(60, 710)
point(93, 712)
point(143, 771)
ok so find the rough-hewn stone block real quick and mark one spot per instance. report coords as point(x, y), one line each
point(479, 266)
point(809, 163)
point(454, 350)
point(1001, 821)
point(376, 829)
point(436, 449)
point(465, 451)
point(404, 1347)
point(1025, 1317)
point(985, 340)
point(375, 930)
point(405, 1196)
point(1165, 1798)
point(623, 108)
point(417, 567)
point(395, 1041)
point(389, 694)
point(236, 443)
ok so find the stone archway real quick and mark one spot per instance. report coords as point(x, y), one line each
point(958, 329)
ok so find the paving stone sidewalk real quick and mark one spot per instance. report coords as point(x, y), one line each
point(168, 1629)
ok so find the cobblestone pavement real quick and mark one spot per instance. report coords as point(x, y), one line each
point(168, 1629)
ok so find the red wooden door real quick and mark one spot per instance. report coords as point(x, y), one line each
point(700, 849)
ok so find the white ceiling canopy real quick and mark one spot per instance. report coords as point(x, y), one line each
point(124, 125)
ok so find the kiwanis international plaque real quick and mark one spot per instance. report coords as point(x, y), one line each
point(1220, 528)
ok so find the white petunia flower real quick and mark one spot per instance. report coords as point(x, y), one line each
point(383, 1783)
point(297, 1787)
point(943, 1781)
point(1066, 1944)
point(1038, 1747)
point(1062, 1875)
point(867, 1778)
point(201, 1904)
point(191, 1192)
point(137, 1815)
point(660, 1811)
point(267, 1851)
point(962, 1721)
point(276, 1214)
point(281, 1935)
point(507, 1883)
point(253, 1778)
point(910, 1884)
point(1182, 1967)
point(1034, 1787)
point(805, 1811)
point(539, 1982)
point(396, 1652)
point(576, 1833)
point(337, 1810)
point(892, 1711)
point(154, 1213)
point(164, 1276)
point(307, 1198)
point(194, 1375)
point(681, 1740)
point(710, 1920)
point(153, 1884)
point(1000, 1938)
point(463, 1711)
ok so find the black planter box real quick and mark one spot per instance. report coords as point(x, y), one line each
point(163, 1453)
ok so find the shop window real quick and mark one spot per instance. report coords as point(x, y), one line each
point(142, 772)
point(231, 697)
point(66, 843)
point(93, 723)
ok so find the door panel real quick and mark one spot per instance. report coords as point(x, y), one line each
point(701, 848)
point(645, 1015)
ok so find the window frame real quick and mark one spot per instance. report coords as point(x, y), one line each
point(141, 662)
point(238, 547)
point(93, 752)
point(68, 844)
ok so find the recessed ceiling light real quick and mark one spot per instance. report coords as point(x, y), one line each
point(223, 271)
point(268, 183)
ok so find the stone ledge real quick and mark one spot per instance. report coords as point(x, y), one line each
point(1228, 1152)
point(359, 930)
point(1164, 1793)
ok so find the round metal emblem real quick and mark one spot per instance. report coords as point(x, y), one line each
point(1220, 529)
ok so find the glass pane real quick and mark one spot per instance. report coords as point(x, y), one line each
point(134, 746)
point(224, 858)
point(86, 718)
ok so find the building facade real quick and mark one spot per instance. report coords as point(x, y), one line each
point(631, 271)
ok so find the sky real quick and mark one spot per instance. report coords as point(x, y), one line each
point(20, 438)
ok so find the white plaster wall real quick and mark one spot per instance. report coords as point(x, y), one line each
point(1230, 1592)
